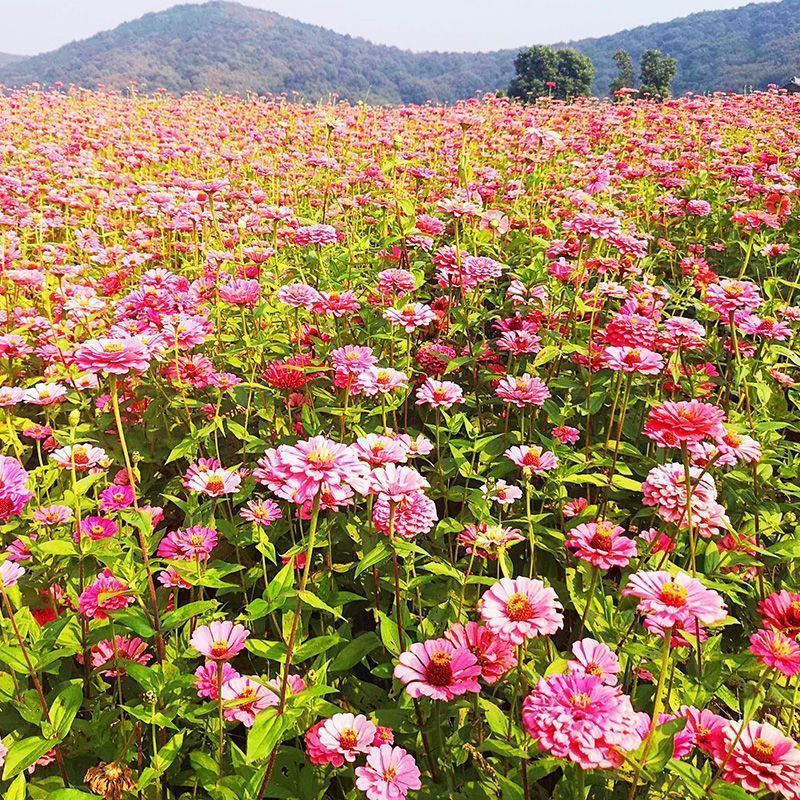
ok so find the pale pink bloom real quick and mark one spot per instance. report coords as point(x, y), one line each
point(740, 447)
point(522, 608)
point(414, 515)
point(210, 478)
point(410, 317)
point(241, 292)
point(633, 359)
point(112, 356)
point(121, 648)
point(10, 396)
point(438, 669)
point(439, 394)
point(396, 482)
point(522, 391)
point(389, 774)
point(46, 394)
point(53, 515)
point(10, 573)
point(82, 456)
point(670, 600)
point(206, 681)
point(261, 512)
point(501, 492)
point(298, 295)
point(319, 465)
point(380, 380)
point(572, 508)
point(347, 734)
point(377, 449)
point(219, 641)
point(594, 658)
point(533, 460)
point(353, 359)
point(244, 699)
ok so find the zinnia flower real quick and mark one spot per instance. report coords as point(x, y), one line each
point(389, 774)
point(438, 669)
point(521, 609)
point(219, 641)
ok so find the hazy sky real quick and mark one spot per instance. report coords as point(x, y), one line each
point(34, 26)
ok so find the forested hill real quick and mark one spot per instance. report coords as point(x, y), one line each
point(228, 47)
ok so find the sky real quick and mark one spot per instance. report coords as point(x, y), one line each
point(35, 26)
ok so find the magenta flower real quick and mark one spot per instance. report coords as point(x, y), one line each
point(112, 356)
point(438, 669)
point(591, 657)
point(106, 593)
point(776, 650)
point(121, 648)
point(188, 544)
point(495, 655)
point(522, 391)
point(206, 681)
point(601, 544)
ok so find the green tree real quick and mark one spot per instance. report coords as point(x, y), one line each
point(625, 71)
point(544, 70)
point(657, 73)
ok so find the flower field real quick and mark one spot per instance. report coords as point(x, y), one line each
point(356, 452)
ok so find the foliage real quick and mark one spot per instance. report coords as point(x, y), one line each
point(657, 72)
point(626, 77)
point(544, 71)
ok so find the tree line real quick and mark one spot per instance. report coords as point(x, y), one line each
point(561, 73)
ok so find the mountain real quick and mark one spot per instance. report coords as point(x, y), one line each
point(8, 58)
point(228, 47)
point(728, 51)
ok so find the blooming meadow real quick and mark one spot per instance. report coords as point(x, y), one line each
point(433, 452)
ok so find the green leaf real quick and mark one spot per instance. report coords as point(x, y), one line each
point(310, 599)
point(70, 794)
point(354, 652)
point(389, 634)
point(265, 735)
point(18, 789)
point(65, 708)
point(23, 753)
point(313, 647)
point(134, 619)
point(174, 619)
point(379, 553)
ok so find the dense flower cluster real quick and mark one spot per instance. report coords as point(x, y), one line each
point(371, 452)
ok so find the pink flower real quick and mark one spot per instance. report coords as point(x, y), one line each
point(522, 391)
point(439, 394)
point(777, 650)
point(105, 594)
point(410, 317)
point(377, 449)
point(521, 609)
point(414, 515)
point(704, 729)
point(261, 512)
point(669, 600)
point(241, 292)
point(206, 681)
point(52, 515)
point(116, 498)
point(188, 544)
point(112, 356)
point(244, 698)
point(380, 380)
point(761, 758)
point(96, 528)
point(673, 423)
point(501, 492)
point(389, 774)
point(601, 544)
point(219, 641)
point(438, 669)
point(10, 573)
point(317, 753)
point(727, 296)
point(14, 495)
point(352, 359)
point(311, 467)
point(565, 434)
point(488, 541)
point(495, 655)
point(122, 647)
point(533, 460)
point(347, 734)
point(632, 359)
point(594, 658)
point(396, 482)
point(579, 718)
point(82, 456)
point(210, 478)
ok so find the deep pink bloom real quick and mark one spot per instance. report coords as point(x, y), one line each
point(206, 681)
point(579, 718)
point(121, 648)
point(601, 544)
point(495, 655)
point(106, 593)
point(777, 650)
point(674, 423)
point(112, 356)
point(438, 669)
